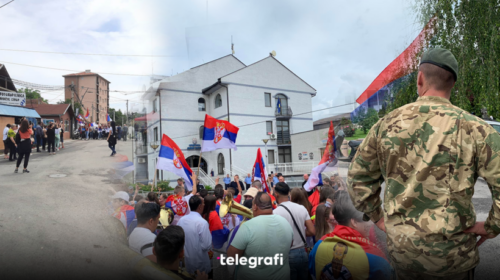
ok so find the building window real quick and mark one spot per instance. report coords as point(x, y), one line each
point(267, 98)
point(155, 109)
point(285, 155)
point(282, 104)
point(270, 157)
point(269, 127)
point(283, 132)
point(66, 125)
point(201, 132)
point(156, 134)
point(201, 104)
point(220, 164)
point(218, 101)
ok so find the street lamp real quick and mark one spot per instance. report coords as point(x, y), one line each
point(154, 145)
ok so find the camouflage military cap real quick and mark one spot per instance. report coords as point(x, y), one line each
point(442, 58)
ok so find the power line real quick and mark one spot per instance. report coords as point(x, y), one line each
point(69, 70)
point(314, 111)
point(6, 4)
point(97, 54)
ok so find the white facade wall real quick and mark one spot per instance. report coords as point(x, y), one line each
point(309, 142)
point(181, 119)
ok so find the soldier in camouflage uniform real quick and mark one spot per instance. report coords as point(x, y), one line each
point(429, 153)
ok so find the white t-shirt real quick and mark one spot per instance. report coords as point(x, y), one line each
point(300, 214)
point(57, 131)
point(138, 238)
point(5, 130)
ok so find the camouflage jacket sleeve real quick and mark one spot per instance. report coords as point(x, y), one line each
point(365, 177)
point(488, 166)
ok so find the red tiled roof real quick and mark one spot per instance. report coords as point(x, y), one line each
point(49, 109)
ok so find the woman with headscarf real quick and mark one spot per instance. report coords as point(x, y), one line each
point(112, 138)
point(24, 147)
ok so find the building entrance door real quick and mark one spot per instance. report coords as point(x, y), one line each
point(192, 161)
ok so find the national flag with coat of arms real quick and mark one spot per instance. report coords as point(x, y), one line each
point(218, 134)
point(259, 171)
point(172, 159)
point(327, 163)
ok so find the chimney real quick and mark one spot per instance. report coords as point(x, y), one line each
point(87, 71)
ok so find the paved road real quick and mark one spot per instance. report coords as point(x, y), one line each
point(57, 228)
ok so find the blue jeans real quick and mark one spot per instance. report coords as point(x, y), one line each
point(299, 264)
point(112, 147)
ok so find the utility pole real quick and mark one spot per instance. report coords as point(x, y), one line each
point(114, 111)
point(92, 112)
point(127, 110)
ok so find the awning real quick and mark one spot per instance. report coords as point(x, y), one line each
point(16, 111)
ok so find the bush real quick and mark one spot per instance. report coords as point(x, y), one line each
point(349, 131)
point(208, 188)
point(164, 186)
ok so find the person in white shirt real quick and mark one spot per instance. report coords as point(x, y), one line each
point(6, 144)
point(142, 237)
point(300, 221)
point(198, 237)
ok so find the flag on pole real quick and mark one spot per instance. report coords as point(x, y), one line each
point(327, 163)
point(87, 115)
point(172, 159)
point(218, 134)
point(80, 117)
point(278, 106)
point(108, 118)
point(259, 172)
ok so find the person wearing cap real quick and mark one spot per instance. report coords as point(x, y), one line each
point(122, 210)
point(430, 154)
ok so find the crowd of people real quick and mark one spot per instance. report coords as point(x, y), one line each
point(101, 132)
point(309, 234)
point(19, 140)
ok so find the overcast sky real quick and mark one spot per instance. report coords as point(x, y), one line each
point(338, 47)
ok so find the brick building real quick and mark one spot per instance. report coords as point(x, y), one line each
point(92, 90)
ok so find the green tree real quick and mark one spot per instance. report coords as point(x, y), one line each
point(118, 116)
point(32, 94)
point(471, 31)
point(370, 119)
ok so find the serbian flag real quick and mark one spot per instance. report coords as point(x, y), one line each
point(172, 159)
point(259, 172)
point(218, 134)
point(327, 163)
point(219, 232)
point(108, 118)
point(125, 214)
point(80, 117)
point(87, 115)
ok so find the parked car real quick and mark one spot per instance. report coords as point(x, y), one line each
point(494, 124)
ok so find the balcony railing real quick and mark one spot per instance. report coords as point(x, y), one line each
point(285, 112)
point(283, 138)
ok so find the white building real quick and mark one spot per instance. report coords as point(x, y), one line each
point(244, 95)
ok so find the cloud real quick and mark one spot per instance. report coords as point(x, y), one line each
point(338, 47)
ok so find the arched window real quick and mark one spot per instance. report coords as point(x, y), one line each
point(220, 164)
point(218, 101)
point(201, 104)
point(283, 100)
point(201, 132)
